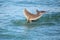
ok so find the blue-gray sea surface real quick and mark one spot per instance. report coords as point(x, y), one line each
point(13, 24)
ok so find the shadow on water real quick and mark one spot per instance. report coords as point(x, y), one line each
point(36, 23)
point(24, 23)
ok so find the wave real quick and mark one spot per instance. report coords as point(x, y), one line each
point(34, 2)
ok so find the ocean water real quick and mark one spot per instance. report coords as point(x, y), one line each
point(13, 24)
